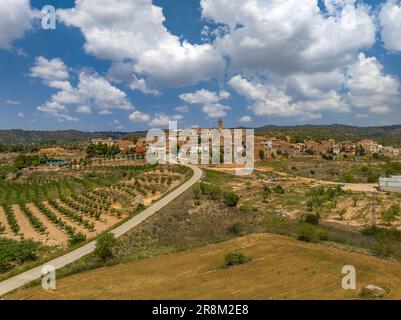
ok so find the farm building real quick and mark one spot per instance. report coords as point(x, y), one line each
point(392, 184)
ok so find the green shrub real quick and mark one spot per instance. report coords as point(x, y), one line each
point(231, 199)
point(312, 219)
point(385, 247)
point(105, 245)
point(307, 233)
point(324, 235)
point(77, 238)
point(196, 190)
point(16, 252)
point(235, 229)
point(391, 214)
point(279, 190)
point(234, 259)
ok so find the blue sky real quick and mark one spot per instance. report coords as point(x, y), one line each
point(283, 62)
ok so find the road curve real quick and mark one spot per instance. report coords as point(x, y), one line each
point(35, 273)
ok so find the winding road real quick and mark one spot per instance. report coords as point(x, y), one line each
point(35, 273)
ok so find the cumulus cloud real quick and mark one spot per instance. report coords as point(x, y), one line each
point(84, 109)
point(209, 101)
point(161, 119)
point(16, 20)
point(60, 112)
point(390, 22)
point(290, 36)
point(138, 116)
point(134, 31)
point(245, 119)
point(204, 96)
point(215, 110)
point(92, 90)
point(49, 70)
point(182, 109)
point(370, 87)
point(268, 99)
point(141, 85)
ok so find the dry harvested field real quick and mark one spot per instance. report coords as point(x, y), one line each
point(281, 268)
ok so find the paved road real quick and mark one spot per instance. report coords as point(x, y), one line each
point(34, 274)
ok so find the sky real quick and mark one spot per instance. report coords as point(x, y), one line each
point(137, 64)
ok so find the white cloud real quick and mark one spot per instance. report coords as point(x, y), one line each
point(245, 119)
point(182, 109)
point(204, 96)
point(49, 70)
point(60, 112)
point(117, 124)
point(16, 19)
point(215, 110)
point(105, 112)
point(380, 110)
point(368, 85)
point(390, 22)
point(92, 91)
point(140, 84)
point(84, 109)
point(161, 119)
point(20, 115)
point(286, 36)
point(138, 116)
point(134, 31)
point(209, 100)
point(13, 102)
point(268, 99)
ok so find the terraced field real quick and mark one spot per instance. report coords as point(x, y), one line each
point(81, 205)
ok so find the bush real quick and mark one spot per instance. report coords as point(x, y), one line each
point(105, 245)
point(77, 238)
point(324, 235)
point(13, 251)
point(391, 214)
point(385, 247)
point(307, 233)
point(235, 229)
point(231, 199)
point(279, 190)
point(312, 219)
point(196, 190)
point(234, 259)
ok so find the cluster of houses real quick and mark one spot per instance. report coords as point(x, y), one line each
point(271, 146)
point(266, 147)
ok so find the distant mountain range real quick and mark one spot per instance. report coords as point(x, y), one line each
point(63, 136)
point(384, 134)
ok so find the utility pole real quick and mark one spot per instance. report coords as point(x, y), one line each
point(374, 209)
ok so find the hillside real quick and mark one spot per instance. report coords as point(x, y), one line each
point(281, 268)
point(385, 134)
point(62, 136)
